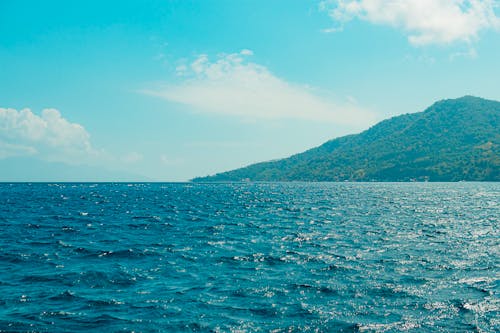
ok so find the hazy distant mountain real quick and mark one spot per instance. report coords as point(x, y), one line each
point(26, 169)
point(453, 140)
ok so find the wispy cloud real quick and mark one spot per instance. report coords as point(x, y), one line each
point(49, 136)
point(469, 54)
point(232, 85)
point(425, 21)
point(12, 149)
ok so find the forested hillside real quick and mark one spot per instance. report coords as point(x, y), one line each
point(452, 140)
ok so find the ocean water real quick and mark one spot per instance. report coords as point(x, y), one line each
point(251, 257)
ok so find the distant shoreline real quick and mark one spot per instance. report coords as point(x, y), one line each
point(248, 182)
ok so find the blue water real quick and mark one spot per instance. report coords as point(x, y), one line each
point(285, 257)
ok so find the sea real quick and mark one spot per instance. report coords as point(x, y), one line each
point(250, 257)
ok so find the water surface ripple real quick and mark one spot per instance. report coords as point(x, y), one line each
point(280, 257)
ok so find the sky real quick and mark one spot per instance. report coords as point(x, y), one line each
point(167, 90)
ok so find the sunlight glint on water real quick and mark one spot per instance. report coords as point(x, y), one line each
point(251, 257)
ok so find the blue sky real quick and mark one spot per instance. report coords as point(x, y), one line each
point(170, 90)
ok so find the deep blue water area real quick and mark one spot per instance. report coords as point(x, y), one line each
point(250, 257)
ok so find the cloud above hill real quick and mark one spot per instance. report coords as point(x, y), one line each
point(232, 85)
point(424, 21)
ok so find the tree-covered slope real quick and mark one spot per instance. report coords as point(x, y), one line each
point(452, 140)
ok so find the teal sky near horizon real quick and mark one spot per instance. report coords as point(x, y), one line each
point(171, 90)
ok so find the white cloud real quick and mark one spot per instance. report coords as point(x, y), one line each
point(246, 52)
point(233, 86)
point(425, 21)
point(11, 150)
point(181, 69)
point(50, 136)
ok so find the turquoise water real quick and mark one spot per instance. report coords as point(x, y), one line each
point(285, 257)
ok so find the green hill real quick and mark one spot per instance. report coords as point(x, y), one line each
point(453, 140)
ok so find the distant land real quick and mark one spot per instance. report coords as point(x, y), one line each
point(27, 169)
point(453, 140)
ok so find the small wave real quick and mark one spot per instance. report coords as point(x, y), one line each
point(100, 321)
point(104, 302)
point(40, 278)
point(99, 279)
point(320, 289)
point(59, 314)
point(13, 258)
point(65, 296)
point(152, 218)
point(68, 229)
point(487, 305)
point(381, 327)
point(114, 254)
point(475, 280)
